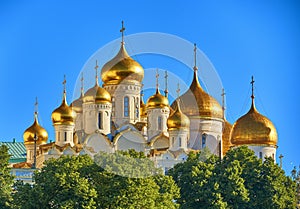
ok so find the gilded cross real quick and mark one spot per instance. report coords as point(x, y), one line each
point(122, 31)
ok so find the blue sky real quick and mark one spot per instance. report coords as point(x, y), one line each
point(40, 41)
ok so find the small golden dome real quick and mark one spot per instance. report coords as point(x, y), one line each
point(178, 120)
point(196, 102)
point(35, 129)
point(76, 105)
point(157, 101)
point(143, 108)
point(253, 129)
point(122, 68)
point(63, 114)
point(226, 137)
point(97, 94)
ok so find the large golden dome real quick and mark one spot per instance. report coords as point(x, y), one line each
point(196, 102)
point(35, 129)
point(122, 68)
point(63, 114)
point(97, 95)
point(226, 144)
point(178, 120)
point(157, 100)
point(253, 129)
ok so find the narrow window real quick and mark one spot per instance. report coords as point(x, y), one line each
point(137, 109)
point(113, 106)
point(65, 136)
point(179, 142)
point(273, 156)
point(203, 141)
point(260, 155)
point(126, 106)
point(159, 125)
point(100, 118)
point(58, 136)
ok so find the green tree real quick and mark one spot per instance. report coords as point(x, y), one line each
point(296, 179)
point(6, 179)
point(58, 185)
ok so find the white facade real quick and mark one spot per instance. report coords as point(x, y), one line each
point(157, 121)
point(64, 134)
point(263, 151)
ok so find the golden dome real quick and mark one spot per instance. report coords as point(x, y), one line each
point(97, 94)
point(63, 114)
point(196, 102)
point(178, 120)
point(122, 68)
point(253, 129)
point(226, 144)
point(35, 129)
point(143, 108)
point(77, 104)
point(157, 101)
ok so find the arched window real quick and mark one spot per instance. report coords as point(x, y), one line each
point(65, 136)
point(58, 136)
point(179, 142)
point(113, 106)
point(100, 120)
point(159, 125)
point(126, 106)
point(203, 140)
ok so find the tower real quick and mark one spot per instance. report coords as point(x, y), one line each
point(158, 111)
point(205, 114)
point(256, 131)
point(63, 119)
point(122, 77)
point(97, 108)
point(34, 136)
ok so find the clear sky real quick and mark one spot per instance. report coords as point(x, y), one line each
point(40, 41)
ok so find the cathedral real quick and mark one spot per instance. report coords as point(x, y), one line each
point(114, 116)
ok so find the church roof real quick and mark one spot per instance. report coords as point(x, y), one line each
point(17, 151)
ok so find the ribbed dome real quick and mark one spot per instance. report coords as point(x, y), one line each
point(157, 101)
point(226, 136)
point(97, 94)
point(178, 120)
point(196, 102)
point(63, 114)
point(122, 68)
point(253, 129)
point(35, 129)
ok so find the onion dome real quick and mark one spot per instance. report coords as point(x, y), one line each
point(63, 115)
point(122, 68)
point(157, 101)
point(253, 129)
point(77, 104)
point(226, 144)
point(143, 108)
point(196, 102)
point(97, 95)
point(35, 130)
point(178, 120)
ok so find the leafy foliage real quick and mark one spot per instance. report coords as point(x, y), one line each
point(6, 180)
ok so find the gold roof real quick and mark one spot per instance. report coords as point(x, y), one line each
point(178, 120)
point(122, 68)
point(226, 144)
point(35, 128)
point(157, 100)
point(253, 129)
point(63, 114)
point(97, 94)
point(196, 102)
